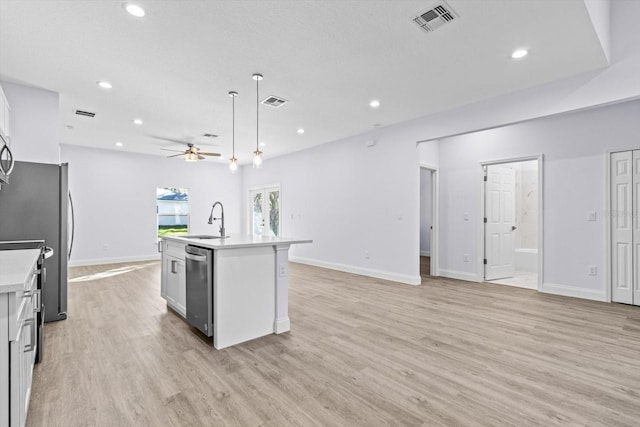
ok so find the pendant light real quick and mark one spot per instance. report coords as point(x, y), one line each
point(233, 165)
point(257, 155)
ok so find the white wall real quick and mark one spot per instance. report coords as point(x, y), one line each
point(574, 148)
point(114, 195)
point(359, 204)
point(34, 123)
point(426, 206)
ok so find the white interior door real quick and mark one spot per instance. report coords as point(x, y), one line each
point(500, 210)
point(264, 211)
point(623, 227)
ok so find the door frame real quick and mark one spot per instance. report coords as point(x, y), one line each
point(481, 234)
point(607, 234)
point(435, 231)
point(249, 204)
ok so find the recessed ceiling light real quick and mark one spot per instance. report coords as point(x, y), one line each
point(374, 104)
point(262, 144)
point(300, 131)
point(134, 9)
point(104, 84)
point(137, 121)
point(119, 144)
point(520, 53)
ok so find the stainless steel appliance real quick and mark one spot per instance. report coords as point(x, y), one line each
point(6, 160)
point(36, 206)
point(199, 275)
point(45, 252)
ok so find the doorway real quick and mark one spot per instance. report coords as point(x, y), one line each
point(624, 241)
point(512, 223)
point(264, 211)
point(428, 221)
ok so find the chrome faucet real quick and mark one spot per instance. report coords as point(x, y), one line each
point(211, 218)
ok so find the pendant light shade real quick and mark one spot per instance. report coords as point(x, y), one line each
point(257, 155)
point(233, 163)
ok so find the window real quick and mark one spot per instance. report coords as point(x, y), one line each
point(173, 211)
point(264, 211)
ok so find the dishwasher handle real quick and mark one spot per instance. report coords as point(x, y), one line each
point(194, 257)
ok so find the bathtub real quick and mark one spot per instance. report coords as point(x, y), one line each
point(526, 259)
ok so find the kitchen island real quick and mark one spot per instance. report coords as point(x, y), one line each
point(249, 287)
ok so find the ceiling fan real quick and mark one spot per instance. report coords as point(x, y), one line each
point(191, 154)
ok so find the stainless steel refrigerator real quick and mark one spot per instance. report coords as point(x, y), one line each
point(36, 205)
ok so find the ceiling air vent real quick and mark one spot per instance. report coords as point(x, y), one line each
point(274, 101)
point(84, 113)
point(435, 17)
point(209, 135)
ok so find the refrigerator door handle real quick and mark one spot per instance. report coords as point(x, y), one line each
point(73, 225)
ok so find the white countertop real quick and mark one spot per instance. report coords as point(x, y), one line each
point(15, 268)
point(239, 241)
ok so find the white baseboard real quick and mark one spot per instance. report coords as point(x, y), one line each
point(119, 260)
point(571, 291)
point(460, 275)
point(378, 274)
point(281, 325)
point(425, 253)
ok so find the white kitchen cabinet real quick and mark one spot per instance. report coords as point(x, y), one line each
point(173, 286)
point(17, 349)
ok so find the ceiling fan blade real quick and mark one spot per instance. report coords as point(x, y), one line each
point(204, 153)
point(201, 157)
point(168, 149)
point(175, 155)
point(179, 141)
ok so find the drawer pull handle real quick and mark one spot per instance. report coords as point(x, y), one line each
point(38, 303)
point(32, 345)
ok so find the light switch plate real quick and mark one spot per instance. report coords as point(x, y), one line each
point(592, 216)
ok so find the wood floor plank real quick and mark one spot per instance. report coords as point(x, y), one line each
point(361, 351)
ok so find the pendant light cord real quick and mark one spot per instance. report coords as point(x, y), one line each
point(233, 127)
point(257, 115)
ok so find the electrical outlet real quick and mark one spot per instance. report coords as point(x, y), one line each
point(465, 257)
point(282, 270)
point(465, 216)
point(593, 270)
point(591, 216)
point(366, 255)
point(105, 247)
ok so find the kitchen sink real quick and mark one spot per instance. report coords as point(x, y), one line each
point(203, 237)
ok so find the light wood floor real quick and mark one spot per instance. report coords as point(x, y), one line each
point(425, 267)
point(361, 352)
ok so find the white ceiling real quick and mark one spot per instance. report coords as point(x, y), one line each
point(174, 67)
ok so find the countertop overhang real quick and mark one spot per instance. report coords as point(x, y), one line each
point(239, 241)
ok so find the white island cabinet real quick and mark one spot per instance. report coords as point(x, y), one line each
point(173, 280)
point(250, 284)
point(19, 300)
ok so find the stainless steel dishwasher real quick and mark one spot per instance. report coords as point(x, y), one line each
point(200, 288)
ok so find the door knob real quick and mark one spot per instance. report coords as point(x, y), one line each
point(514, 228)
